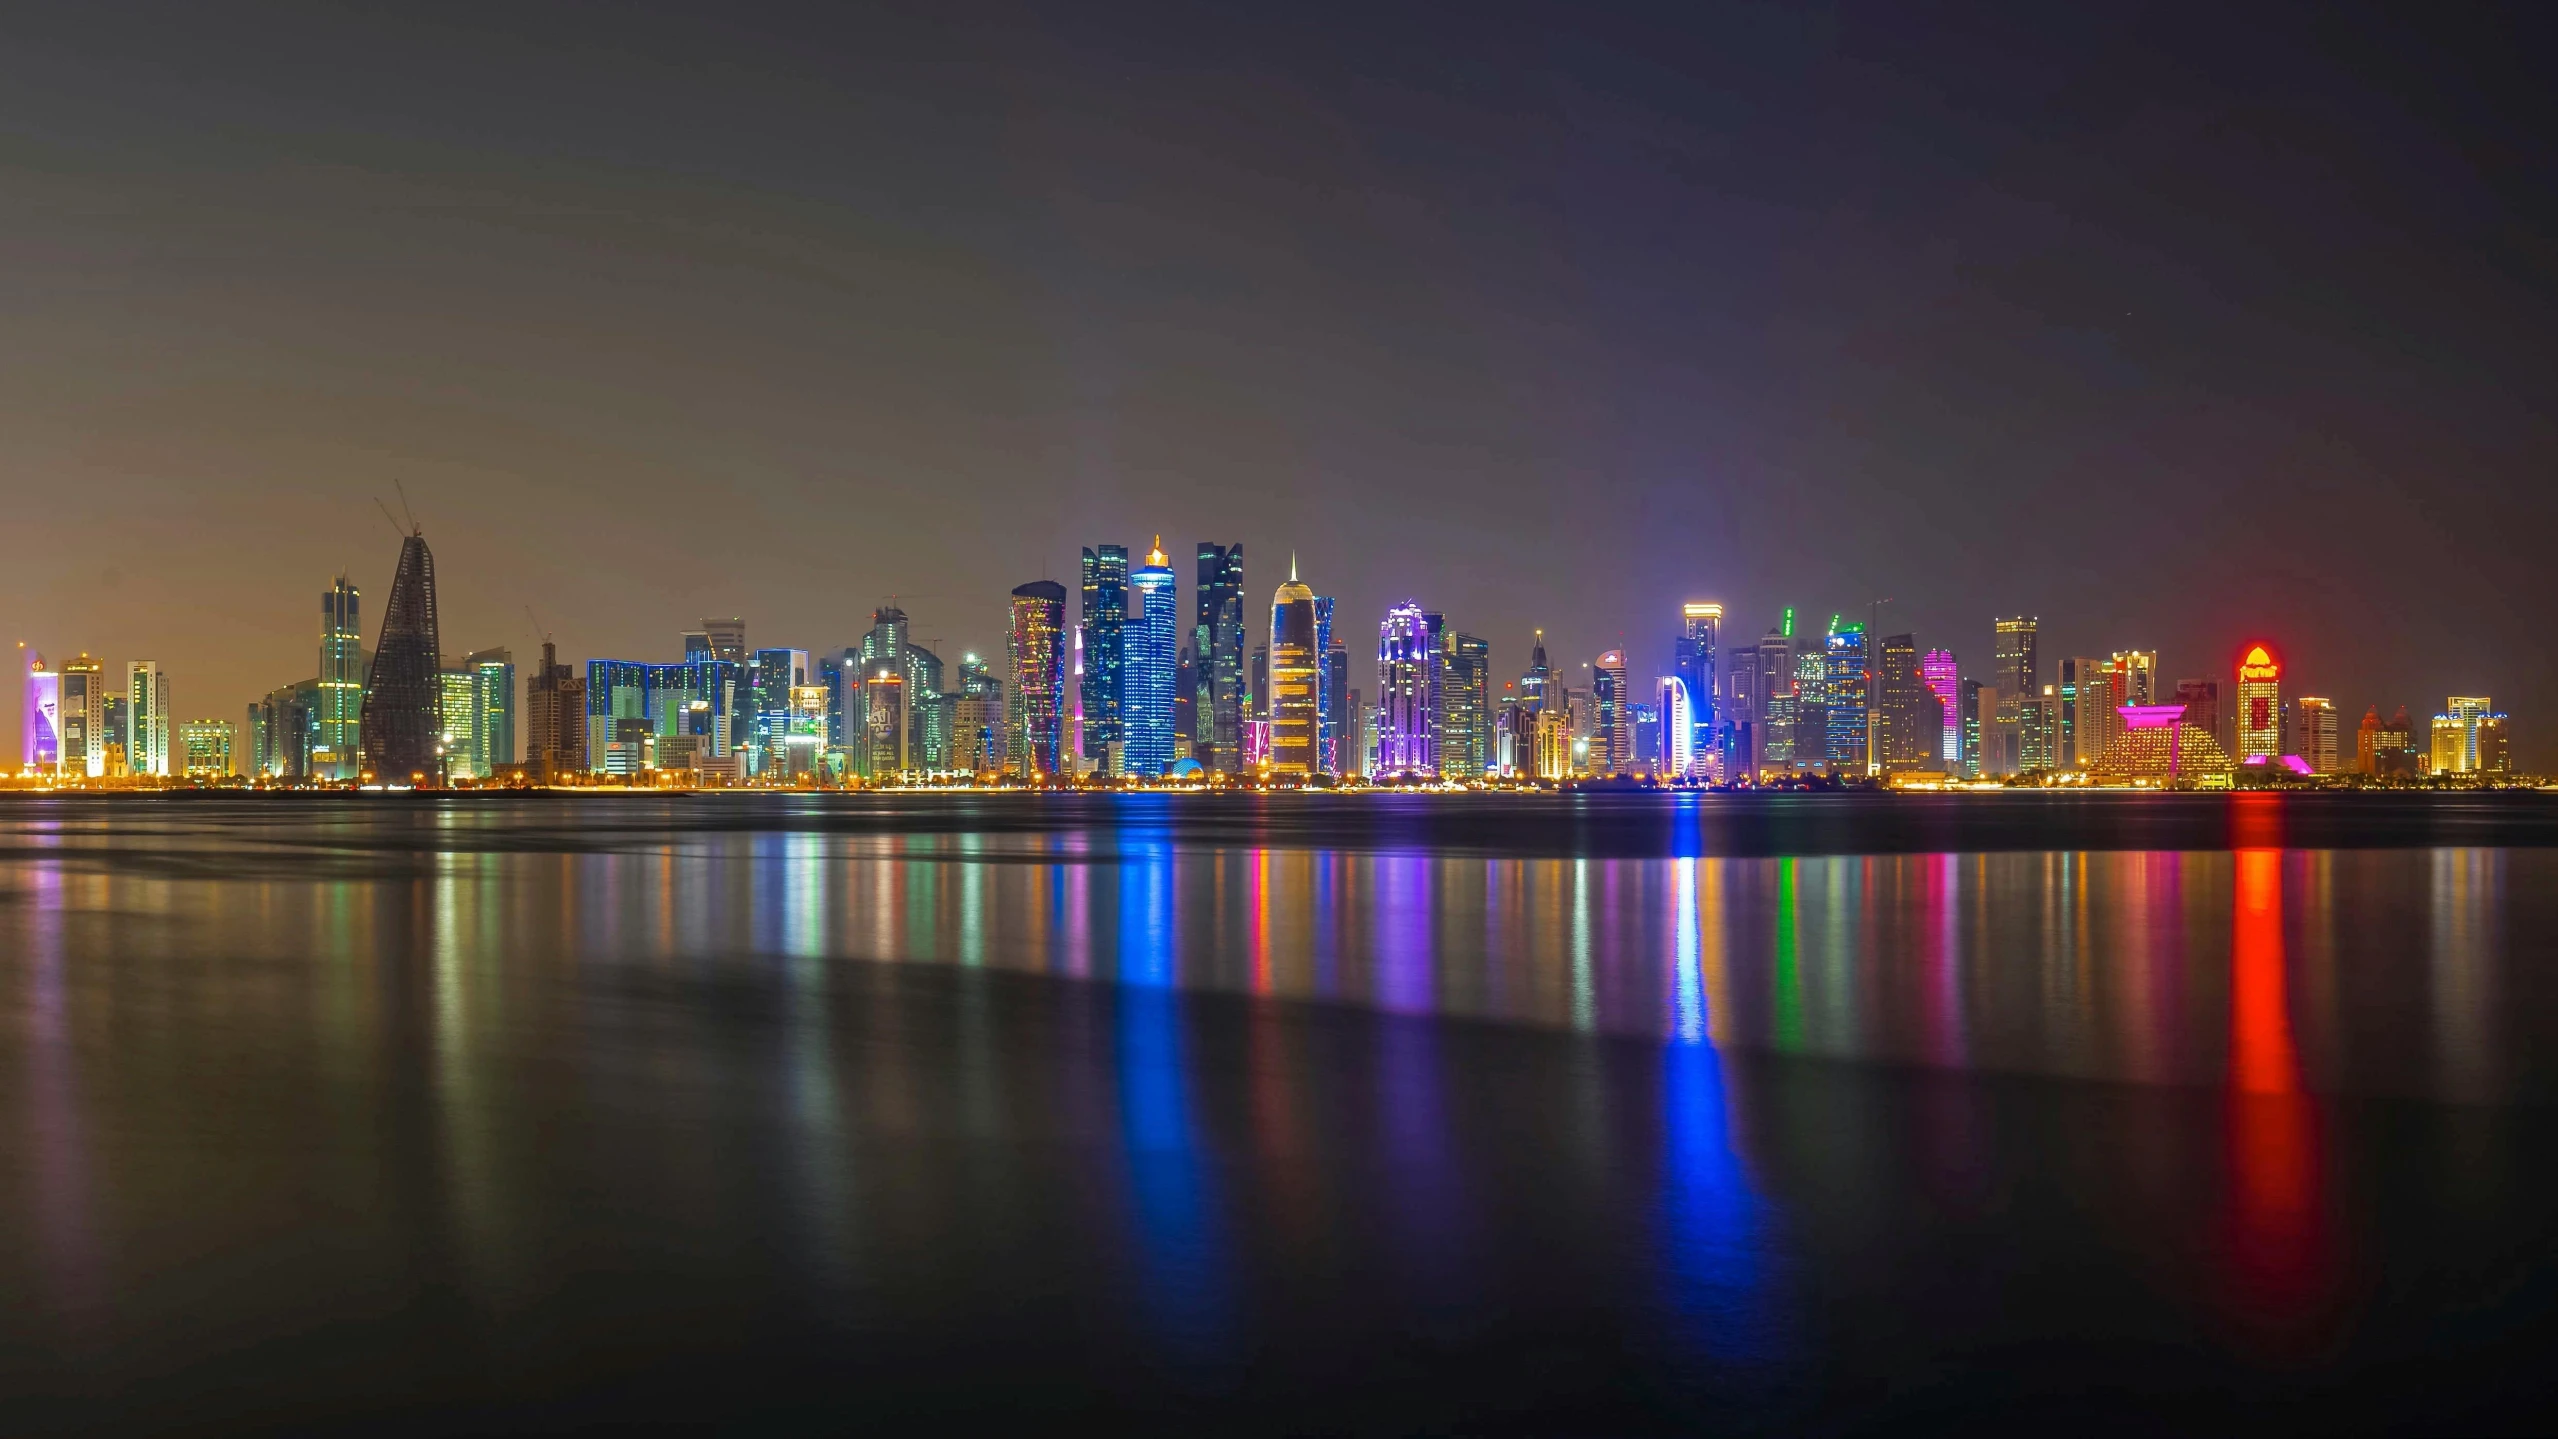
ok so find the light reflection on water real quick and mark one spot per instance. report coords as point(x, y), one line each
point(481, 1068)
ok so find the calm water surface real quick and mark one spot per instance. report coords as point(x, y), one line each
point(1625, 1114)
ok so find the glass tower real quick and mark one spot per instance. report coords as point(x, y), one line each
point(1296, 649)
point(1698, 651)
point(403, 711)
point(1150, 662)
point(1104, 648)
point(1843, 680)
point(1408, 687)
point(1034, 642)
point(1217, 643)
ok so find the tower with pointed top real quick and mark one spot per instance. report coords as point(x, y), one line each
point(1294, 678)
point(403, 718)
point(1149, 666)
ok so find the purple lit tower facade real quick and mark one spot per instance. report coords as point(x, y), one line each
point(1407, 692)
point(1945, 679)
point(42, 730)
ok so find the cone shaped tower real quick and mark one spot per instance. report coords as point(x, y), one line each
point(404, 699)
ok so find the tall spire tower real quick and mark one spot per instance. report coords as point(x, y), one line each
point(403, 721)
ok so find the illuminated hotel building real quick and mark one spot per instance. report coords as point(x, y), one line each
point(1698, 654)
point(146, 748)
point(1553, 745)
point(1678, 729)
point(40, 726)
point(2314, 733)
point(1408, 692)
point(1296, 679)
point(1032, 643)
point(1151, 666)
point(2155, 745)
point(337, 729)
point(1945, 681)
point(2469, 737)
point(2260, 705)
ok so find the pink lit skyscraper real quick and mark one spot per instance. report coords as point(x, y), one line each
point(1945, 680)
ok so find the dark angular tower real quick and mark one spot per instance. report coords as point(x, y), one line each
point(404, 701)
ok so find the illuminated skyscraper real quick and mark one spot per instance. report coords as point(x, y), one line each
point(146, 691)
point(1150, 665)
point(2038, 731)
point(1909, 726)
point(1848, 695)
point(2016, 675)
point(403, 713)
point(1465, 726)
point(460, 739)
point(1612, 742)
point(1968, 762)
point(84, 718)
point(204, 748)
point(1678, 729)
point(2314, 733)
point(725, 639)
point(1038, 683)
point(1408, 688)
point(2136, 677)
point(554, 720)
point(2201, 699)
point(1945, 681)
point(1696, 656)
point(337, 749)
point(1295, 678)
point(493, 709)
point(2469, 737)
point(1538, 677)
point(2260, 705)
point(1103, 633)
point(40, 723)
point(1332, 688)
point(1217, 644)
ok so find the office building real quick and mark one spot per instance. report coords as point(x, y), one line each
point(2136, 677)
point(2260, 706)
point(337, 750)
point(1034, 646)
point(402, 716)
point(119, 731)
point(1847, 696)
point(1677, 758)
point(1149, 667)
point(1101, 635)
point(1945, 681)
point(2015, 673)
point(1537, 678)
point(2092, 694)
point(1296, 679)
point(1217, 641)
point(1909, 728)
point(1328, 690)
point(83, 718)
point(492, 709)
point(459, 742)
point(1465, 728)
point(40, 721)
point(204, 748)
point(723, 640)
point(2314, 734)
point(554, 720)
point(146, 694)
point(2038, 731)
point(1553, 746)
point(1408, 688)
point(1969, 715)
point(1612, 739)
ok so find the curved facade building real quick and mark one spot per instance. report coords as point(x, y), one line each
point(402, 722)
point(1407, 693)
point(1295, 678)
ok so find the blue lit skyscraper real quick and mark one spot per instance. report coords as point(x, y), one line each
point(1700, 648)
point(1149, 664)
point(1408, 687)
point(1330, 691)
point(1844, 679)
point(1217, 660)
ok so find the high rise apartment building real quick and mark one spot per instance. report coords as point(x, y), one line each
point(1612, 741)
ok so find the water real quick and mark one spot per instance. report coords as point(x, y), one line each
point(1612, 1115)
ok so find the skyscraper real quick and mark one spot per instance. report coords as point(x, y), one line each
point(1678, 729)
point(1909, 726)
point(1537, 678)
point(40, 725)
point(204, 748)
point(1217, 640)
point(2016, 675)
point(1295, 678)
point(1698, 653)
point(337, 750)
point(1408, 687)
point(1151, 664)
point(2136, 676)
point(1945, 681)
point(1612, 746)
point(2314, 738)
point(1465, 729)
point(402, 717)
point(492, 709)
point(146, 691)
point(1331, 688)
point(84, 718)
point(1103, 634)
point(1968, 762)
point(2469, 737)
point(554, 720)
point(1844, 679)
point(2260, 705)
point(2201, 699)
point(1033, 644)
point(460, 741)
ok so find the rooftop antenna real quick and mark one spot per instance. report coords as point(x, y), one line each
point(404, 505)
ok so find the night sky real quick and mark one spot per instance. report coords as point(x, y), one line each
point(2177, 327)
